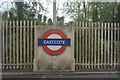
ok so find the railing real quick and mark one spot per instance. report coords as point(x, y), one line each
point(97, 45)
point(17, 44)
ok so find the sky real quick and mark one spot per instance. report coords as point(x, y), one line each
point(48, 4)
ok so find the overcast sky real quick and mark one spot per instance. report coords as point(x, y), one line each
point(48, 4)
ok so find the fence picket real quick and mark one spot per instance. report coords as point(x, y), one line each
point(89, 62)
point(80, 38)
point(83, 61)
point(6, 44)
point(77, 25)
point(108, 43)
point(92, 53)
point(111, 45)
point(102, 44)
point(86, 44)
point(20, 44)
point(3, 44)
point(28, 53)
point(10, 44)
point(114, 46)
point(105, 50)
point(14, 48)
point(31, 43)
point(98, 45)
point(118, 46)
point(24, 43)
point(95, 47)
point(17, 43)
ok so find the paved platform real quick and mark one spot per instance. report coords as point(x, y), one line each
point(115, 75)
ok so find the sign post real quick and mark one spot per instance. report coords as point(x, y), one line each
point(54, 13)
point(54, 49)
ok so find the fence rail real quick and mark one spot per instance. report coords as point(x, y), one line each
point(17, 44)
point(97, 45)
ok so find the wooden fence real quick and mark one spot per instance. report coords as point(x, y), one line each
point(97, 45)
point(17, 44)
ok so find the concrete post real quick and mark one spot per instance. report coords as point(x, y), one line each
point(54, 13)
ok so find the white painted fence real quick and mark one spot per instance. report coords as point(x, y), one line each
point(97, 45)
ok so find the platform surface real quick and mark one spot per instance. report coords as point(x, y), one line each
point(61, 75)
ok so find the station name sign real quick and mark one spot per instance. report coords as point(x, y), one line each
point(65, 42)
point(54, 42)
